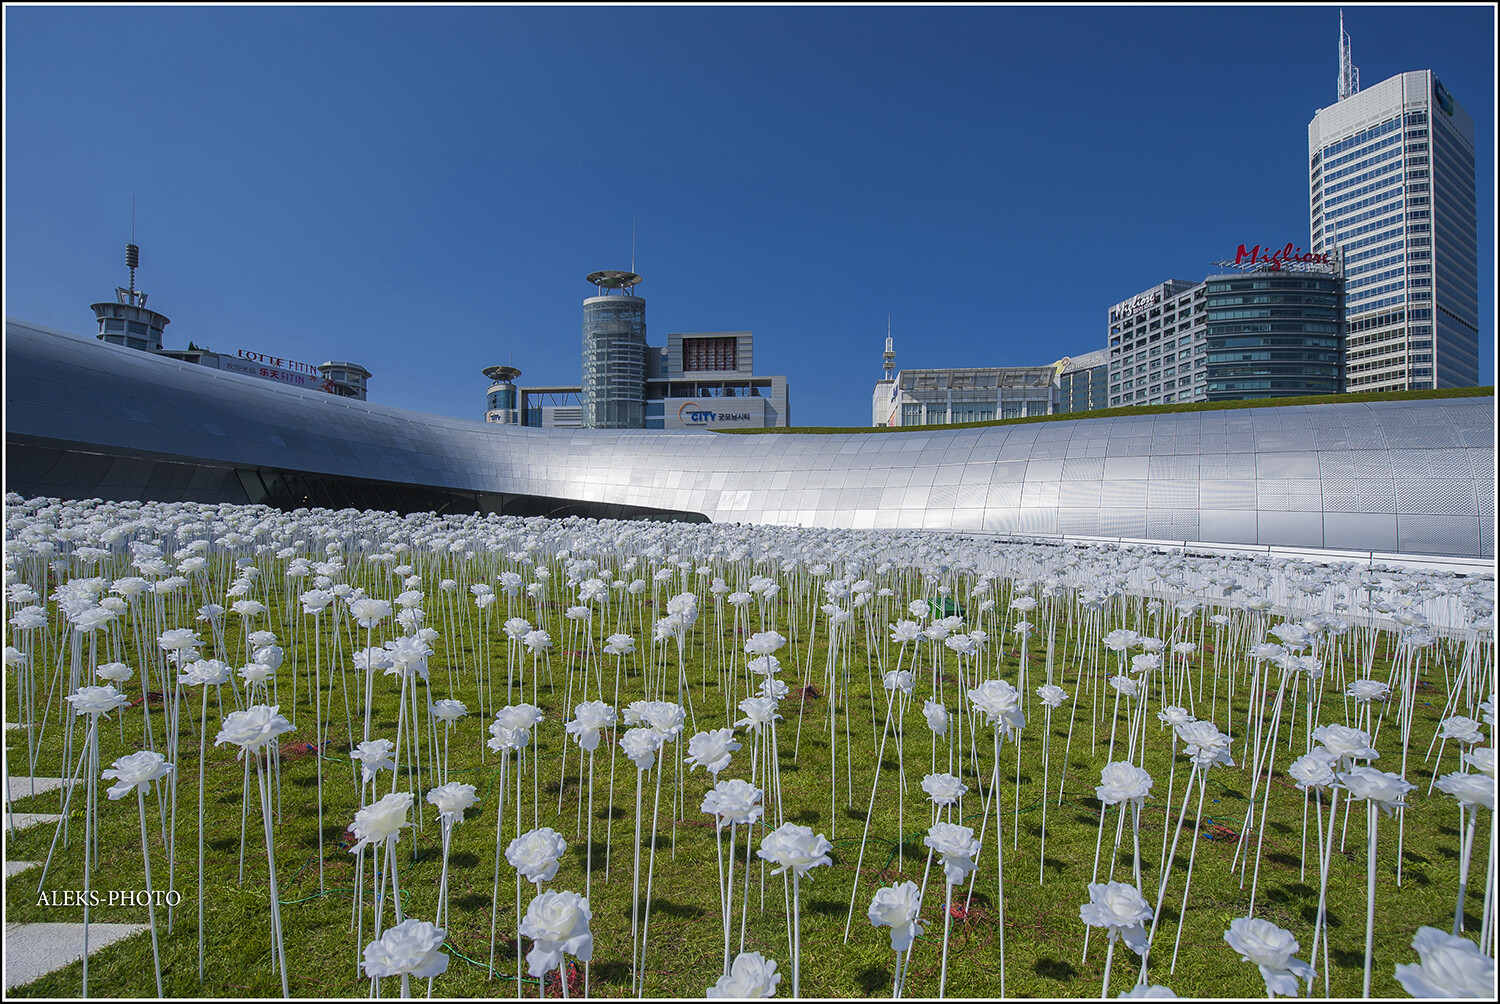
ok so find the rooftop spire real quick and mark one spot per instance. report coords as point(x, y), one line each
point(1348, 72)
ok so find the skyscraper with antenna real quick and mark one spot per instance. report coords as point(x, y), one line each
point(1391, 189)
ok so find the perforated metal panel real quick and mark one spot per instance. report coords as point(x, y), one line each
point(1445, 496)
point(1438, 534)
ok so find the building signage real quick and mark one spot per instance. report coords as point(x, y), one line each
point(288, 371)
point(1139, 303)
point(691, 414)
point(1290, 258)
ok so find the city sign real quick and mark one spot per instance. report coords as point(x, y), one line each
point(1290, 258)
point(691, 414)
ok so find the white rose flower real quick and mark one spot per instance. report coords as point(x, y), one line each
point(253, 672)
point(899, 679)
point(558, 924)
point(315, 601)
point(1345, 743)
point(1001, 704)
point(381, 821)
point(640, 745)
point(1368, 690)
point(588, 719)
point(369, 612)
point(374, 756)
point(1482, 759)
point(254, 727)
point(204, 672)
point(137, 770)
point(1205, 744)
point(96, 700)
point(1462, 729)
point(758, 711)
point(1469, 789)
point(764, 665)
point(1381, 787)
point(1269, 947)
point(179, 640)
point(764, 643)
point(1123, 782)
point(1313, 770)
point(937, 717)
point(619, 644)
point(795, 847)
point(114, 672)
point(905, 631)
point(773, 688)
point(1174, 716)
point(452, 800)
point(750, 975)
point(536, 855)
point(897, 907)
point(410, 948)
point(1451, 966)
point(1117, 906)
point(1051, 695)
point(1124, 684)
point(447, 710)
point(733, 802)
point(957, 846)
point(943, 789)
point(711, 750)
point(1145, 662)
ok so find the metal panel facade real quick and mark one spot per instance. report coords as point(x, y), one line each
point(1415, 476)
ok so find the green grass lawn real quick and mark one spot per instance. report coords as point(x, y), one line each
point(827, 787)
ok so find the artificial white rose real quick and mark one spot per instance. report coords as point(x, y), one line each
point(711, 750)
point(734, 802)
point(96, 700)
point(1174, 716)
point(640, 745)
point(1313, 770)
point(452, 800)
point(764, 643)
point(1118, 907)
point(1462, 729)
point(1271, 948)
point(1348, 744)
point(1451, 967)
point(897, 907)
point(381, 821)
point(447, 710)
point(373, 756)
point(764, 665)
point(1051, 695)
point(558, 924)
point(1205, 744)
point(1469, 789)
point(795, 847)
point(943, 789)
point(937, 717)
point(254, 672)
point(1482, 759)
point(758, 711)
point(588, 719)
point(773, 688)
point(1121, 782)
point(536, 855)
point(1124, 684)
point(114, 672)
point(410, 948)
point(1368, 690)
point(204, 672)
point(1380, 787)
point(136, 770)
point(750, 975)
point(957, 846)
point(1000, 703)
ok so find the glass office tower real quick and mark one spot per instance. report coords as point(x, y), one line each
point(614, 354)
point(1391, 187)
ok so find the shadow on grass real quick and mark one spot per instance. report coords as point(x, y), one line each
point(875, 980)
point(1055, 969)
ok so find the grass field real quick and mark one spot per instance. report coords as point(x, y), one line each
point(829, 753)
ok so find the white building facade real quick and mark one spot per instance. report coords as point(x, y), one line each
point(1158, 352)
point(1391, 190)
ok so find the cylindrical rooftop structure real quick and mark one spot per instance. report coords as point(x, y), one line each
point(501, 406)
point(614, 354)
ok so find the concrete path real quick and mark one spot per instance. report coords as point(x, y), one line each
point(34, 950)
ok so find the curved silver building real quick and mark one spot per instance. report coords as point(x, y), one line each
point(614, 354)
point(85, 419)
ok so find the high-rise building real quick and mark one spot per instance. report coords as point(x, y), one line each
point(1391, 185)
point(614, 354)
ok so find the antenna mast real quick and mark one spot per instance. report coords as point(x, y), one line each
point(1348, 72)
point(890, 351)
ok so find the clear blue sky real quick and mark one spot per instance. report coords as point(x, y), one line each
point(423, 190)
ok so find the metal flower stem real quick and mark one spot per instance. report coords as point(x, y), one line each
point(1188, 884)
point(1109, 958)
point(1373, 818)
point(650, 874)
point(265, 812)
point(499, 842)
point(140, 795)
point(202, 754)
point(869, 815)
point(1463, 865)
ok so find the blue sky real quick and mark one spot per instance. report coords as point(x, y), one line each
point(423, 190)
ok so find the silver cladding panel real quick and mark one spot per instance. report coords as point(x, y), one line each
point(1399, 476)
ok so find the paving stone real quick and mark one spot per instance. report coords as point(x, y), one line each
point(34, 950)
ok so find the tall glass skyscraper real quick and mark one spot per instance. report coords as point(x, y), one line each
point(1391, 183)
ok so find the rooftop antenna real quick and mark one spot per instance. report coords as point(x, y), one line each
point(890, 351)
point(632, 242)
point(1348, 72)
point(132, 252)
